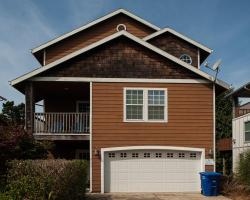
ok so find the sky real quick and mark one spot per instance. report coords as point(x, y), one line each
point(222, 25)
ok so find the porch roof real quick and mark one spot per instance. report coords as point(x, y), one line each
point(243, 91)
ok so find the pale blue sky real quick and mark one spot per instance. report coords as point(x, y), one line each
point(222, 25)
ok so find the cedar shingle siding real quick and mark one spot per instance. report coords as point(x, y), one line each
point(121, 58)
point(176, 46)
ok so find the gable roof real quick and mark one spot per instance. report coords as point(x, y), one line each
point(107, 39)
point(92, 24)
point(199, 45)
point(243, 91)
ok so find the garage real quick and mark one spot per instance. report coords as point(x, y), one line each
point(152, 170)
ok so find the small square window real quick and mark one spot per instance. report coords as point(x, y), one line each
point(123, 155)
point(170, 155)
point(158, 155)
point(135, 155)
point(111, 155)
point(146, 155)
point(181, 155)
point(192, 155)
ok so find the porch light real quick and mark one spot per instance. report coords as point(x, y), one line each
point(210, 152)
point(96, 152)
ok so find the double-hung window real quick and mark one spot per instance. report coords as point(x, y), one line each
point(247, 131)
point(145, 105)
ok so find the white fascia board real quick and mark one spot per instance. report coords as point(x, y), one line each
point(118, 80)
point(53, 41)
point(180, 36)
point(109, 38)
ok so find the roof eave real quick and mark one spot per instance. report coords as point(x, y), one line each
point(109, 38)
point(199, 45)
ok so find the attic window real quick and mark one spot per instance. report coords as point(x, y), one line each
point(121, 27)
point(186, 58)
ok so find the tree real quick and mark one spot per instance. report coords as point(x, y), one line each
point(15, 142)
point(224, 107)
point(13, 114)
point(224, 130)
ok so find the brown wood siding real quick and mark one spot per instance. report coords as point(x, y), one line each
point(176, 46)
point(190, 120)
point(93, 34)
point(121, 58)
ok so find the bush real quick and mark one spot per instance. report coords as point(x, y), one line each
point(15, 143)
point(243, 171)
point(46, 179)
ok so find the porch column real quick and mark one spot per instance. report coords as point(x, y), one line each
point(29, 107)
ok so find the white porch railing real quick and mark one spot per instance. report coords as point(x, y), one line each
point(61, 123)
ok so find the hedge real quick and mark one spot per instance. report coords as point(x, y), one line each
point(243, 170)
point(46, 179)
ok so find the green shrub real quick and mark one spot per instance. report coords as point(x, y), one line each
point(46, 179)
point(243, 171)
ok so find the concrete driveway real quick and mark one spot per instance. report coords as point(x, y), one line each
point(152, 196)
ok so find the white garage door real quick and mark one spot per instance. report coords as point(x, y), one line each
point(152, 171)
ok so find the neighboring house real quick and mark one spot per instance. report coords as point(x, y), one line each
point(131, 98)
point(241, 123)
point(2, 99)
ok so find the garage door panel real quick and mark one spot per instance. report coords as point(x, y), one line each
point(152, 171)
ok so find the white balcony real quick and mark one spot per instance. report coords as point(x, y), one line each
point(61, 126)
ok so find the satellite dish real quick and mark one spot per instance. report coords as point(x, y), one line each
point(216, 65)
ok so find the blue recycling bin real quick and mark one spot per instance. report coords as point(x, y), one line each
point(210, 183)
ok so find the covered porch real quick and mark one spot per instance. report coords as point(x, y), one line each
point(241, 100)
point(64, 113)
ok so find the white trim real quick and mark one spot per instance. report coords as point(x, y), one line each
point(214, 127)
point(118, 80)
point(44, 57)
point(121, 25)
point(90, 132)
point(189, 57)
point(244, 131)
point(109, 38)
point(180, 36)
point(198, 59)
point(145, 105)
point(92, 24)
point(103, 150)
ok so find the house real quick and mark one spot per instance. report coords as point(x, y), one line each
point(2, 99)
point(131, 98)
point(240, 123)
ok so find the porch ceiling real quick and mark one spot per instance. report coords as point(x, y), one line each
point(60, 89)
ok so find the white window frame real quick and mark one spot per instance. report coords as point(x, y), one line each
point(246, 131)
point(188, 57)
point(145, 105)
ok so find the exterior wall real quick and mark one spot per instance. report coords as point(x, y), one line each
point(176, 46)
point(190, 120)
point(239, 144)
point(93, 34)
point(121, 58)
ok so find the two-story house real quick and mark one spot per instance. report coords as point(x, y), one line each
point(240, 123)
point(132, 98)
